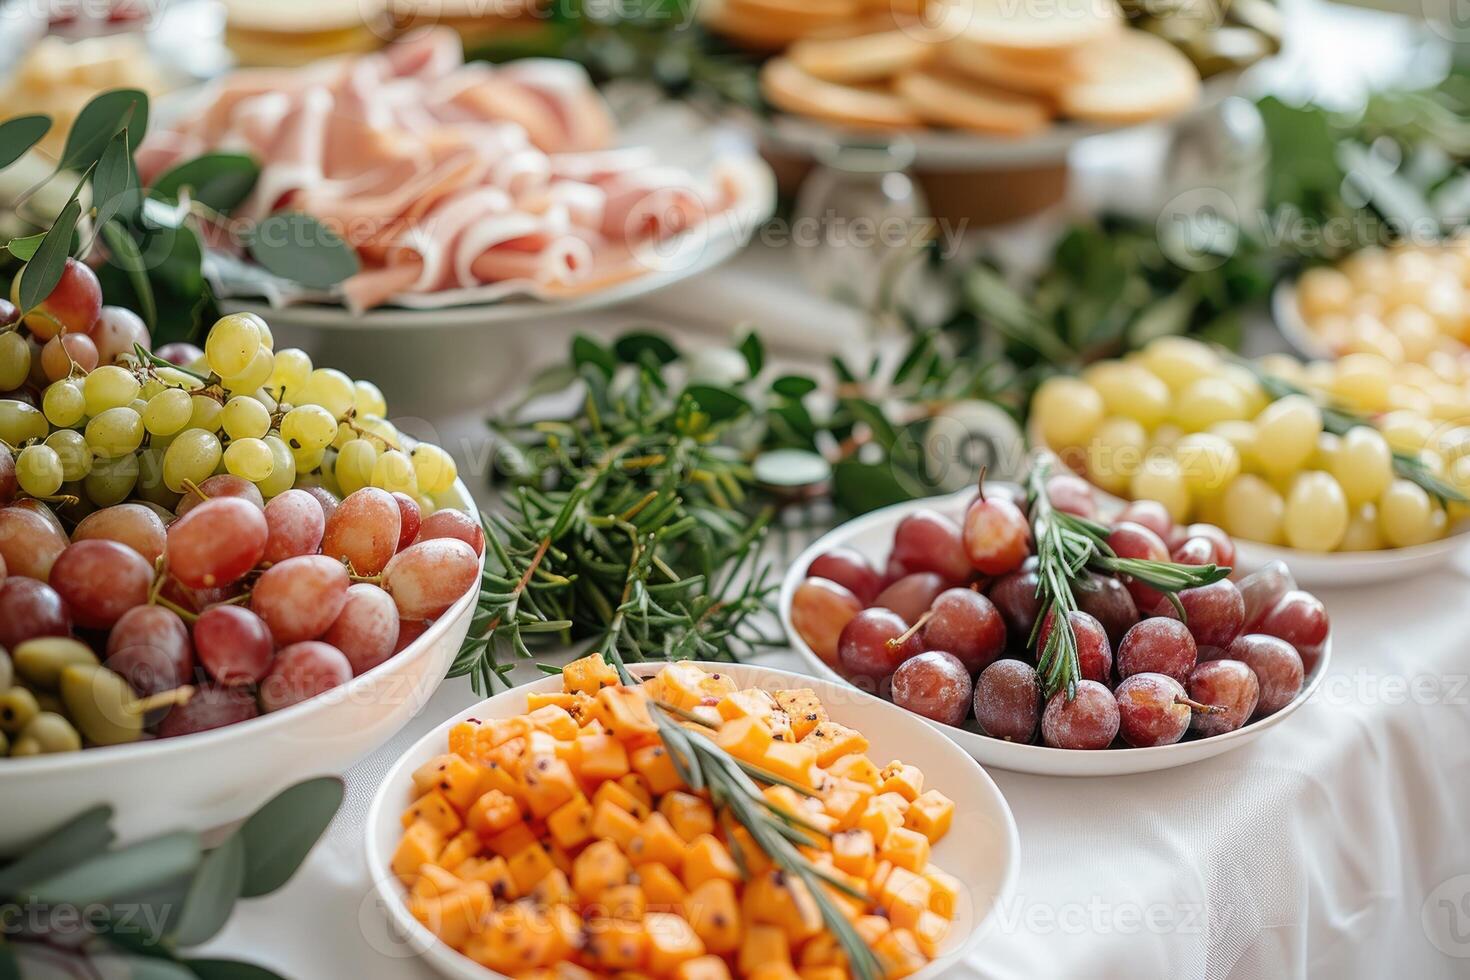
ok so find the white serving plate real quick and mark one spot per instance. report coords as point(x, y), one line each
point(872, 536)
point(982, 849)
point(212, 779)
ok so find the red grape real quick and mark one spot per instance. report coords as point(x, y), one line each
point(1136, 541)
point(179, 353)
point(62, 351)
point(996, 537)
point(1108, 601)
point(134, 525)
point(1088, 721)
point(1152, 710)
point(912, 595)
point(1071, 494)
point(1158, 646)
point(217, 542)
point(100, 580)
point(426, 578)
point(366, 629)
point(451, 523)
point(364, 530)
point(893, 570)
point(1224, 543)
point(1301, 620)
point(408, 631)
point(851, 571)
point(967, 625)
point(1214, 612)
point(71, 306)
point(863, 649)
point(197, 600)
point(1015, 599)
point(300, 597)
point(8, 484)
point(1226, 685)
point(29, 543)
point(294, 526)
point(1196, 551)
point(116, 331)
point(234, 645)
point(211, 707)
point(1262, 590)
point(934, 684)
point(1008, 701)
point(29, 608)
point(302, 671)
point(1094, 653)
point(409, 520)
point(819, 611)
point(326, 498)
point(221, 485)
point(927, 541)
point(149, 646)
point(1277, 666)
point(1150, 514)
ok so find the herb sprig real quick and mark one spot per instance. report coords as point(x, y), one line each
point(1067, 546)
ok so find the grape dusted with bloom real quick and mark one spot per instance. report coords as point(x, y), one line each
point(1008, 701)
point(217, 542)
point(300, 597)
point(302, 671)
point(874, 643)
point(149, 646)
point(820, 610)
point(850, 570)
point(1231, 688)
point(934, 684)
point(100, 580)
point(912, 595)
point(965, 624)
point(363, 531)
point(927, 541)
point(425, 579)
point(1087, 721)
point(366, 630)
point(233, 644)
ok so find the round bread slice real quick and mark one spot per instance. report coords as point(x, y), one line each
point(871, 58)
point(961, 103)
point(1030, 76)
point(790, 89)
point(773, 24)
point(1131, 78)
point(1041, 29)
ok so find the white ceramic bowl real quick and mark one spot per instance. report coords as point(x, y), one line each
point(214, 778)
point(982, 849)
point(872, 536)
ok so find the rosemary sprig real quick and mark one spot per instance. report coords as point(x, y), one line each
point(731, 784)
point(1068, 545)
point(1339, 421)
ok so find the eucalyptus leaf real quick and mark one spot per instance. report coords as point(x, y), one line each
point(129, 870)
point(82, 837)
point(112, 179)
point(219, 181)
point(794, 385)
point(18, 135)
point(585, 350)
point(754, 352)
point(125, 256)
point(791, 468)
point(212, 894)
point(859, 487)
point(280, 834)
point(631, 348)
point(229, 970)
point(101, 119)
point(43, 271)
point(296, 246)
point(720, 404)
point(25, 248)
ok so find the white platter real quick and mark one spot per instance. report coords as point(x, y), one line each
point(872, 536)
point(982, 849)
point(215, 778)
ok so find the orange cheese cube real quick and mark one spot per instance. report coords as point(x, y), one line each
point(903, 779)
point(689, 815)
point(859, 769)
point(555, 721)
point(615, 944)
point(930, 931)
point(671, 942)
point(601, 757)
point(746, 852)
point(845, 800)
point(547, 783)
point(763, 946)
point(599, 867)
point(712, 910)
point(880, 820)
point(463, 738)
point(588, 675)
point(511, 841)
point(773, 971)
point(781, 900)
point(803, 708)
point(745, 738)
point(854, 852)
point(931, 815)
point(707, 858)
point(465, 844)
point(656, 766)
point(822, 951)
point(529, 866)
point(623, 902)
point(822, 973)
point(540, 699)
point(900, 954)
point(623, 711)
point(662, 887)
point(794, 761)
point(453, 775)
point(872, 928)
point(620, 796)
point(656, 841)
point(434, 881)
point(492, 813)
point(944, 891)
point(454, 916)
point(434, 809)
point(570, 824)
point(904, 894)
point(906, 848)
point(494, 872)
point(749, 703)
point(831, 741)
point(703, 968)
point(554, 889)
point(681, 684)
point(615, 824)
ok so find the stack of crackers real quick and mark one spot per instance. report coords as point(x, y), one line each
point(999, 67)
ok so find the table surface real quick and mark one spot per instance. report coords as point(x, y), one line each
point(1333, 846)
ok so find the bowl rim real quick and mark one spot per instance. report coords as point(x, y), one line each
point(428, 946)
point(838, 537)
point(264, 723)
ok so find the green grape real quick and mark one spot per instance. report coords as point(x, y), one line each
point(329, 388)
point(345, 434)
point(256, 373)
point(265, 398)
point(190, 458)
point(72, 449)
point(307, 460)
point(393, 472)
point(368, 399)
point(168, 412)
point(150, 476)
point(64, 403)
point(292, 369)
point(15, 360)
point(233, 342)
point(245, 418)
point(283, 476)
point(115, 432)
point(388, 437)
point(109, 386)
point(175, 378)
point(267, 339)
point(249, 458)
point(433, 468)
point(354, 469)
point(205, 413)
point(308, 427)
point(111, 480)
point(21, 422)
point(38, 470)
point(326, 473)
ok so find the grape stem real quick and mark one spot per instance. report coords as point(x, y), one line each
point(894, 642)
point(164, 699)
point(1204, 709)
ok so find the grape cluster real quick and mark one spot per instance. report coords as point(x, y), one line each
point(945, 629)
point(190, 537)
point(1177, 424)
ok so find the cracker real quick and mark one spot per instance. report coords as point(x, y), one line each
point(790, 89)
point(962, 103)
point(1131, 78)
point(871, 58)
point(1045, 30)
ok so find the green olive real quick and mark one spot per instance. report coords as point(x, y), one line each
point(101, 704)
point(40, 660)
point(17, 707)
point(53, 733)
point(25, 745)
point(7, 671)
point(50, 701)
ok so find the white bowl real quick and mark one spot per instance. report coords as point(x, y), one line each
point(215, 778)
point(1288, 318)
point(982, 849)
point(872, 536)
